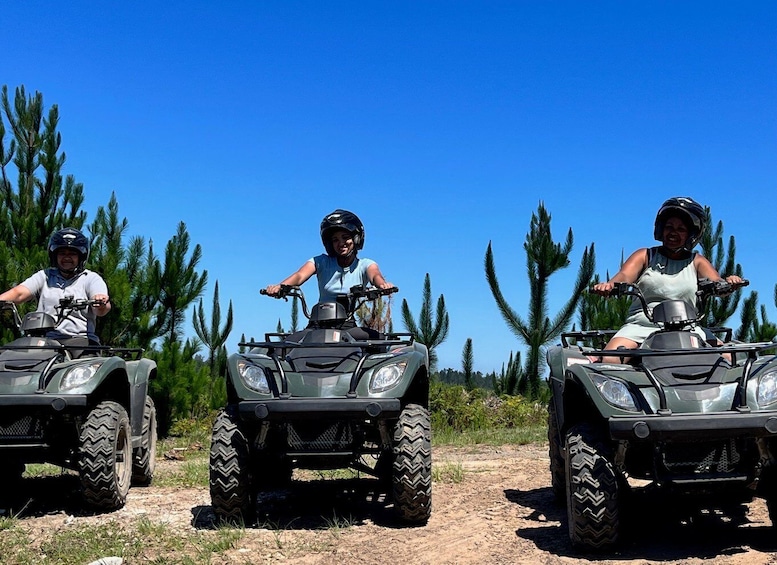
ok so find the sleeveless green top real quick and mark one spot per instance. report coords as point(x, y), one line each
point(662, 279)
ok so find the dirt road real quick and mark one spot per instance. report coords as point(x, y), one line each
point(501, 511)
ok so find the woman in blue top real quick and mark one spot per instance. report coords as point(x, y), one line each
point(670, 271)
point(342, 234)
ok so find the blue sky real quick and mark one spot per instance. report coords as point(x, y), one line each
point(441, 124)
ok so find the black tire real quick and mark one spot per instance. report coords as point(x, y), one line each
point(558, 478)
point(767, 488)
point(412, 465)
point(593, 490)
point(231, 490)
point(144, 457)
point(11, 472)
point(105, 456)
point(271, 472)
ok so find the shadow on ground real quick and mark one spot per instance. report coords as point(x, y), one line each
point(38, 496)
point(317, 505)
point(656, 527)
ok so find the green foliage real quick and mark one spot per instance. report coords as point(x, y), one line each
point(717, 311)
point(509, 377)
point(428, 331)
point(603, 313)
point(182, 384)
point(214, 339)
point(752, 328)
point(179, 283)
point(457, 409)
point(376, 315)
point(467, 362)
point(543, 258)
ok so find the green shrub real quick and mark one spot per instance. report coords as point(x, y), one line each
point(454, 408)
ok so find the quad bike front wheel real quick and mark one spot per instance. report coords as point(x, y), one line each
point(105, 456)
point(412, 465)
point(593, 490)
point(144, 457)
point(231, 490)
point(556, 455)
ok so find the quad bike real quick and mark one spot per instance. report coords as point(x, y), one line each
point(83, 407)
point(688, 417)
point(327, 397)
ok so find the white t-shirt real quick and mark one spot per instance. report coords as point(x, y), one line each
point(49, 286)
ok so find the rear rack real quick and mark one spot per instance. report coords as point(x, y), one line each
point(272, 347)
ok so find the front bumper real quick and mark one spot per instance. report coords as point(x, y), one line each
point(319, 408)
point(57, 402)
point(684, 427)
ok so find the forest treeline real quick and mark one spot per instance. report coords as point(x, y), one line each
point(156, 289)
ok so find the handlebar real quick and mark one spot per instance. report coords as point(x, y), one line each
point(356, 296)
point(706, 289)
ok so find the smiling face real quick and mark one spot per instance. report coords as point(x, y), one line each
point(342, 244)
point(67, 260)
point(675, 233)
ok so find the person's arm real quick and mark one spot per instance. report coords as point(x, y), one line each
point(629, 272)
point(705, 270)
point(295, 279)
point(17, 294)
point(376, 277)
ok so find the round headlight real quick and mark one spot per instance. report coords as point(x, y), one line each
point(615, 392)
point(387, 376)
point(78, 376)
point(253, 376)
point(767, 389)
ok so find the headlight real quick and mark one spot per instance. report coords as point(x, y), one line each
point(767, 389)
point(253, 376)
point(387, 376)
point(615, 392)
point(78, 376)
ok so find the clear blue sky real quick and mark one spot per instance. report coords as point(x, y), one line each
point(442, 124)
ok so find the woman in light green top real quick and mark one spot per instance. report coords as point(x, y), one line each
point(670, 271)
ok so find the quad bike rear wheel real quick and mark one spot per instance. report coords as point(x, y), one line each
point(144, 458)
point(593, 490)
point(105, 456)
point(231, 486)
point(412, 466)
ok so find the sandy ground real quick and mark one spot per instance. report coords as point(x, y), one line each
point(501, 511)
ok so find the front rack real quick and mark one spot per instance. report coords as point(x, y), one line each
point(393, 339)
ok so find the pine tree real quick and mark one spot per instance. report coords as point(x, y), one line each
point(721, 309)
point(543, 258)
point(214, 337)
point(42, 200)
point(428, 332)
point(467, 362)
point(178, 282)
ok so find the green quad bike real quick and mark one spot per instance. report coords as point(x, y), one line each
point(81, 407)
point(328, 397)
point(675, 414)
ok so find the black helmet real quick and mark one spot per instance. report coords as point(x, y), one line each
point(687, 208)
point(69, 237)
point(342, 220)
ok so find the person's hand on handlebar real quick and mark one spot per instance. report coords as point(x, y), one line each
point(734, 279)
point(101, 304)
point(603, 289)
point(273, 289)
